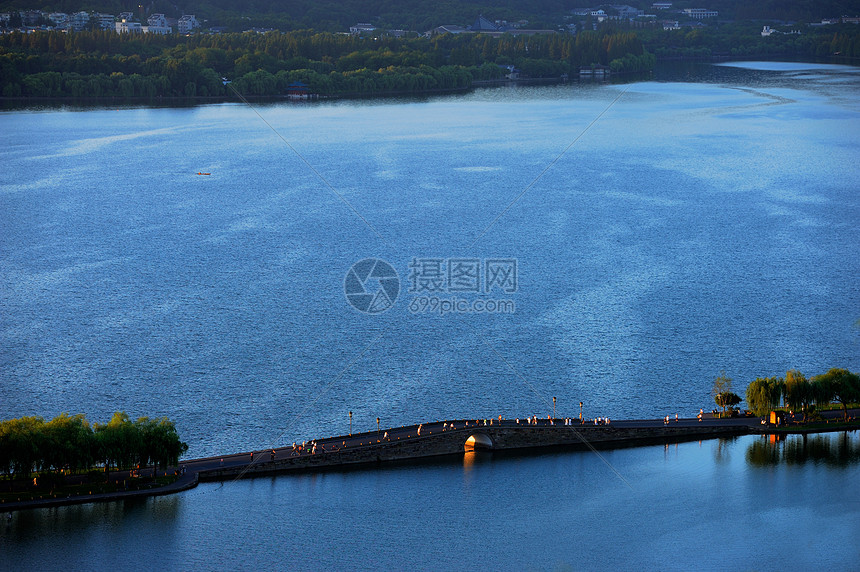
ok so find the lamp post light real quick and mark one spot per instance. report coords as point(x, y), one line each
point(350, 423)
point(553, 407)
point(580, 412)
point(377, 428)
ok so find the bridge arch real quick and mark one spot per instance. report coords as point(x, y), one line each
point(479, 442)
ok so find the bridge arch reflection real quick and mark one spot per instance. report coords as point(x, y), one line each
point(479, 442)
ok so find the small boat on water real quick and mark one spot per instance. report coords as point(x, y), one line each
point(199, 173)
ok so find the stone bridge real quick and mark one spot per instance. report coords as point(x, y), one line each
point(398, 444)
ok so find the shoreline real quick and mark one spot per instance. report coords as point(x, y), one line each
point(449, 439)
point(21, 103)
point(185, 101)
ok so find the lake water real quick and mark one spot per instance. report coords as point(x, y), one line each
point(745, 504)
point(662, 231)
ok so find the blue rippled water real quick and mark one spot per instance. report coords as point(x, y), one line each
point(707, 220)
point(695, 227)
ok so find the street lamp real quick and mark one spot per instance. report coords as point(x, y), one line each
point(580, 412)
point(350, 423)
point(377, 428)
point(553, 407)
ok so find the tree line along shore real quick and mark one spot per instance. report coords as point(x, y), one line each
point(794, 392)
point(103, 64)
point(68, 445)
point(797, 393)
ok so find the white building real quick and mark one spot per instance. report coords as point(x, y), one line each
point(626, 12)
point(127, 27)
point(360, 28)
point(157, 25)
point(31, 17)
point(104, 21)
point(161, 30)
point(187, 24)
point(447, 29)
point(79, 21)
point(157, 20)
point(60, 19)
point(700, 13)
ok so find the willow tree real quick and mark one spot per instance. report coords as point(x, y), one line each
point(838, 385)
point(160, 442)
point(798, 391)
point(68, 442)
point(20, 445)
point(119, 441)
point(763, 395)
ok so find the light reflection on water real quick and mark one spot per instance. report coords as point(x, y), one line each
point(829, 450)
point(670, 242)
point(664, 246)
point(539, 511)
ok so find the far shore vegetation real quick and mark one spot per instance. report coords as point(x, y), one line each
point(149, 67)
point(106, 64)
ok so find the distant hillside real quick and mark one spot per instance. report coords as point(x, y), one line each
point(330, 15)
point(421, 15)
point(799, 10)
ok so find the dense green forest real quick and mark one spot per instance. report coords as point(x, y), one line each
point(105, 64)
point(69, 444)
point(98, 64)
